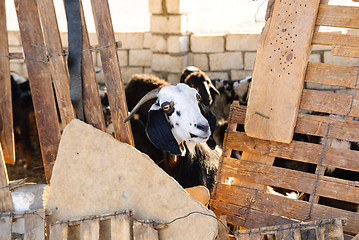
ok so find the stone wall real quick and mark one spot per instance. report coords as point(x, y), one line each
point(169, 47)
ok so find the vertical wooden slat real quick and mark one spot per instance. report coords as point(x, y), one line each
point(6, 119)
point(336, 230)
point(279, 70)
point(40, 82)
point(35, 225)
point(290, 234)
point(222, 228)
point(144, 231)
point(91, 96)
point(120, 227)
point(59, 231)
point(57, 60)
point(5, 228)
point(112, 72)
point(5, 196)
point(90, 230)
point(249, 236)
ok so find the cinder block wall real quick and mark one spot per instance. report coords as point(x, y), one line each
point(169, 47)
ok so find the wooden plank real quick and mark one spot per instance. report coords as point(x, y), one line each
point(6, 204)
point(337, 39)
point(91, 96)
point(342, 129)
point(248, 236)
point(282, 206)
point(333, 75)
point(329, 102)
point(347, 130)
point(59, 231)
point(222, 228)
point(338, 16)
point(249, 218)
point(120, 227)
point(90, 229)
point(299, 151)
point(291, 234)
point(352, 52)
point(35, 225)
point(290, 179)
point(5, 228)
point(40, 82)
point(111, 69)
point(144, 231)
point(282, 55)
point(6, 118)
point(59, 74)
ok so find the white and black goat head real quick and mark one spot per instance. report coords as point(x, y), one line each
point(176, 117)
point(197, 79)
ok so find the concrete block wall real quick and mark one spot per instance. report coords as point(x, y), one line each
point(229, 56)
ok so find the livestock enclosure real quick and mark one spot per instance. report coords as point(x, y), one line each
point(287, 145)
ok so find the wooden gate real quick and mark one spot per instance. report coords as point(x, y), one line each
point(242, 192)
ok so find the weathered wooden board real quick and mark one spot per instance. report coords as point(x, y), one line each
point(290, 179)
point(330, 102)
point(120, 227)
point(299, 151)
point(54, 47)
point(90, 230)
point(59, 231)
point(91, 96)
point(35, 225)
point(281, 206)
point(352, 52)
point(6, 118)
point(338, 16)
point(334, 75)
point(40, 82)
point(5, 197)
point(111, 69)
point(279, 70)
point(5, 228)
point(330, 38)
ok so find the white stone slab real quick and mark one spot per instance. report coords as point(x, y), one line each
point(96, 174)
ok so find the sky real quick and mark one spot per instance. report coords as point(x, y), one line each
point(205, 17)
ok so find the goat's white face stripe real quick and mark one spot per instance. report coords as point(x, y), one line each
point(187, 122)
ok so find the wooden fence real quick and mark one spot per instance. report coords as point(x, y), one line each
point(117, 225)
point(242, 189)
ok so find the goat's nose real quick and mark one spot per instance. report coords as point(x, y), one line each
point(202, 127)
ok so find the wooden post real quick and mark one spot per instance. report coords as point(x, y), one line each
point(40, 82)
point(120, 227)
point(279, 70)
point(112, 72)
point(90, 229)
point(59, 231)
point(57, 60)
point(35, 225)
point(6, 119)
point(5, 197)
point(91, 96)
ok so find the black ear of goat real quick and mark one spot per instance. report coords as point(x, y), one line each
point(212, 121)
point(159, 132)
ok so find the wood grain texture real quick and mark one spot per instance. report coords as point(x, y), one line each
point(338, 16)
point(6, 204)
point(35, 225)
point(59, 231)
point(330, 102)
point(91, 96)
point(279, 70)
point(40, 82)
point(90, 230)
point(352, 52)
point(330, 38)
point(58, 67)
point(333, 75)
point(6, 118)
point(112, 72)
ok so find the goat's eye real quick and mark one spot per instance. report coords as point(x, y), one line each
point(198, 97)
point(168, 107)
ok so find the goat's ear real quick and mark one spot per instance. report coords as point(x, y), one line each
point(159, 132)
point(209, 115)
point(211, 118)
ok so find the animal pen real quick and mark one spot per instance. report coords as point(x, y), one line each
point(270, 120)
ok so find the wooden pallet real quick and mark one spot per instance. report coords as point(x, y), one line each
point(241, 193)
